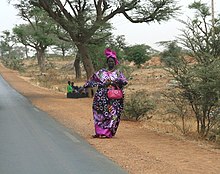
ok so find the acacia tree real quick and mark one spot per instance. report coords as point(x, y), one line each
point(10, 53)
point(63, 47)
point(98, 43)
point(6, 44)
point(138, 53)
point(200, 81)
point(81, 19)
point(38, 33)
point(96, 46)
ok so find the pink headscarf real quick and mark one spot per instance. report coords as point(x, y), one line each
point(110, 53)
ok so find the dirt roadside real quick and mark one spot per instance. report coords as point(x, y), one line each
point(135, 148)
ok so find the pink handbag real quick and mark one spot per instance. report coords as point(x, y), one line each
point(115, 93)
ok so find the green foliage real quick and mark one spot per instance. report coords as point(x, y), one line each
point(37, 33)
point(15, 64)
point(178, 110)
point(98, 43)
point(62, 47)
point(10, 54)
point(85, 18)
point(97, 54)
point(6, 44)
point(96, 50)
point(215, 130)
point(199, 82)
point(170, 56)
point(137, 105)
point(127, 71)
point(137, 53)
point(34, 37)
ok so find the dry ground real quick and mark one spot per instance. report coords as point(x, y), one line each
point(137, 147)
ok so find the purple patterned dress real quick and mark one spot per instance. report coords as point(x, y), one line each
point(106, 112)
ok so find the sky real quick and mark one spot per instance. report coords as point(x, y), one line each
point(145, 33)
point(152, 33)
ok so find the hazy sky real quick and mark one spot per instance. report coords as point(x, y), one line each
point(134, 33)
point(153, 32)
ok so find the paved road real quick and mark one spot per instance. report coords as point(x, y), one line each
point(31, 142)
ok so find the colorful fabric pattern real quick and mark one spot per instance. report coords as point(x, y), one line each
point(106, 112)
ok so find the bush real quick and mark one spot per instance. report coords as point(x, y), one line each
point(178, 111)
point(138, 53)
point(13, 63)
point(49, 79)
point(215, 130)
point(138, 105)
point(126, 70)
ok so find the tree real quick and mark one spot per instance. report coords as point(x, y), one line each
point(82, 19)
point(138, 53)
point(10, 53)
point(172, 55)
point(199, 82)
point(38, 33)
point(28, 36)
point(98, 44)
point(62, 47)
point(6, 44)
point(62, 41)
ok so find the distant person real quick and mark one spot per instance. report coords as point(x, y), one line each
point(107, 111)
point(69, 87)
point(75, 88)
point(83, 90)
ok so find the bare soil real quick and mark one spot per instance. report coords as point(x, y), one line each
point(138, 147)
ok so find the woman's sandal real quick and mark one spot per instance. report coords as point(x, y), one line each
point(99, 136)
point(95, 136)
point(103, 136)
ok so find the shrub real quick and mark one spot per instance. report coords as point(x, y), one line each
point(138, 53)
point(138, 105)
point(126, 70)
point(48, 79)
point(13, 63)
point(178, 110)
point(215, 130)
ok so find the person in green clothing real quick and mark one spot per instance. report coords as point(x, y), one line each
point(69, 87)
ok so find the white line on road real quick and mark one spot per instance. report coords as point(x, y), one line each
point(74, 139)
point(36, 109)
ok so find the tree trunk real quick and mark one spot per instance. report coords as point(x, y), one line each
point(87, 62)
point(9, 54)
point(41, 59)
point(77, 66)
point(63, 53)
point(26, 51)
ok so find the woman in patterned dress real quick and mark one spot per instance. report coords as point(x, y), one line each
point(107, 112)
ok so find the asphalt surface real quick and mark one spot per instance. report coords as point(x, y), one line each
point(31, 142)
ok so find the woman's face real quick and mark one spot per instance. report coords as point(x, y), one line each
point(111, 63)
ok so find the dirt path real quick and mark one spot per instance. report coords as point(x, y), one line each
point(135, 148)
